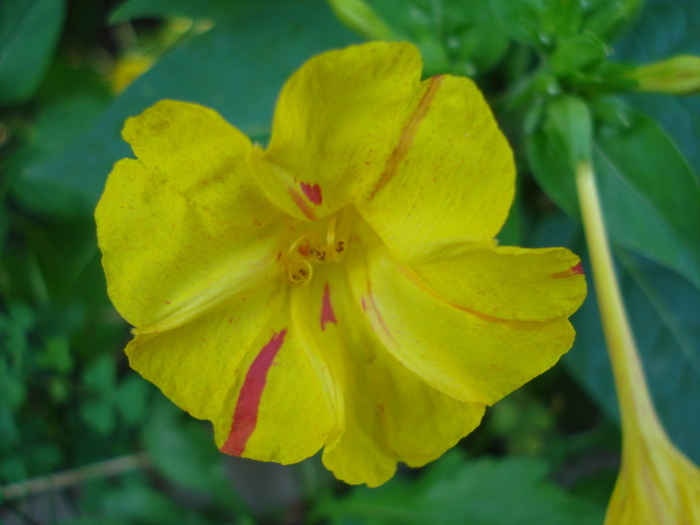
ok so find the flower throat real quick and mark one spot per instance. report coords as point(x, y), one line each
point(312, 247)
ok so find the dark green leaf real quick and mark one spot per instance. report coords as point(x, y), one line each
point(29, 30)
point(651, 201)
point(217, 11)
point(608, 19)
point(237, 68)
point(133, 9)
point(481, 492)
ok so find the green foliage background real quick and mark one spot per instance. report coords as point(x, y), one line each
point(548, 453)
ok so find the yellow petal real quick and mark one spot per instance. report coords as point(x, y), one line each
point(184, 226)
point(464, 353)
point(424, 162)
point(337, 120)
point(449, 179)
point(390, 414)
point(508, 282)
point(241, 366)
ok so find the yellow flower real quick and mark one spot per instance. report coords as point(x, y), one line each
point(342, 288)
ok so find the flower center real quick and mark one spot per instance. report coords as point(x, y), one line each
point(313, 247)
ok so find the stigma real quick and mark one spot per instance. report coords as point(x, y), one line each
point(313, 247)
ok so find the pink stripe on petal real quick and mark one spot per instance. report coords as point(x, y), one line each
point(245, 416)
point(312, 192)
point(303, 205)
point(327, 313)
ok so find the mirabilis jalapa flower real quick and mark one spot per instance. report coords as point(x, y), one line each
point(341, 288)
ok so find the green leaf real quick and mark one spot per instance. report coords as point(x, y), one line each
point(97, 406)
point(511, 491)
point(56, 355)
point(237, 68)
point(132, 399)
point(9, 432)
point(29, 31)
point(69, 103)
point(139, 503)
point(133, 9)
point(667, 28)
point(608, 19)
point(577, 52)
point(569, 126)
point(454, 36)
point(217, 11)
point(183, 450)
point(522, 20)
point(663, 310)
point(650, 197)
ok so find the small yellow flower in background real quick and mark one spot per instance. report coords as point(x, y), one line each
point(342, 288)
point(127, 69)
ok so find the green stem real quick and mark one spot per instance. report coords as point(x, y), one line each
point(636, 407)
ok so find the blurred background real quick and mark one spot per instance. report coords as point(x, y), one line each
point(84, 439)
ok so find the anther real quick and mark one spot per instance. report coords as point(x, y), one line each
point(302, 273)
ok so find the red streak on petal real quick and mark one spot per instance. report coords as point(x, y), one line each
point(312, 192)
point(364, 305)
point(301, 202)
point(245, 416)
point(376, 312)
point(407, 135)
point(327, 313)
point(574, 270)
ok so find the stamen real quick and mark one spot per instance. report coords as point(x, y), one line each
point(301, 273)
point(307, 248)
point(302, 244)
point(330, 234)
point(319, 254)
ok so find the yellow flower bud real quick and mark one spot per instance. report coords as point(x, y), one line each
point(678, 76)
point(360, 17)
